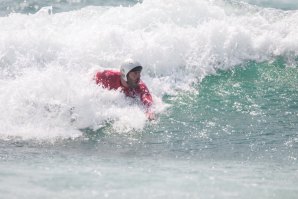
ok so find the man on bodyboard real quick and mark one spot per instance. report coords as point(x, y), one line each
point(127, 80)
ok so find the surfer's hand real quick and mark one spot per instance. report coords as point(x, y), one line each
point(150, 116)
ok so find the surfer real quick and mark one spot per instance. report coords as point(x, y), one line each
point(128, 80)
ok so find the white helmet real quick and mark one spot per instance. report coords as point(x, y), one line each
point(127, 66)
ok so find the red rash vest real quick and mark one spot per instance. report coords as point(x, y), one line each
point(111, 80)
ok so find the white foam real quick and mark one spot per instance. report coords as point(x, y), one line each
point(47, 60)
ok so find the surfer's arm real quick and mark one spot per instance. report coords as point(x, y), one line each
point(98, 77)
point(150, 115)
point(147, 101)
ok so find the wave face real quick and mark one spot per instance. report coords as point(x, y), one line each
point(48, 59)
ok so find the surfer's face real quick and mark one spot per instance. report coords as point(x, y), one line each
point(133, 78)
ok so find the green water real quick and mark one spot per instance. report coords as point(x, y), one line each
point(248, 112)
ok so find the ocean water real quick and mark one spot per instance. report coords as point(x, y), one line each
point(223, 75)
